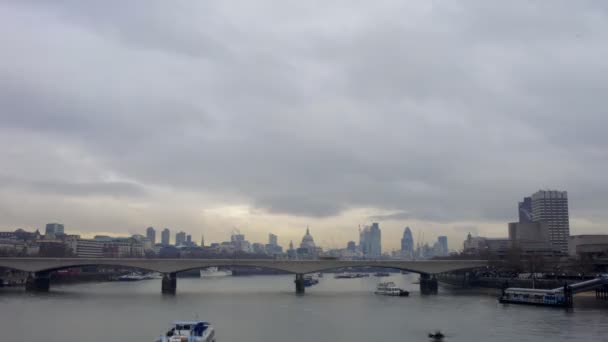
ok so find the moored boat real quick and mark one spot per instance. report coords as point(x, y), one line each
point(310, 281)
point(211, 272)
point(189, 331)
point(131, 277)
point(536, 297)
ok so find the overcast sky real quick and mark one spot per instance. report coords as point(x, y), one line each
point(267, 116)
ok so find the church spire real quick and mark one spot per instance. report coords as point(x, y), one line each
point(307, 230)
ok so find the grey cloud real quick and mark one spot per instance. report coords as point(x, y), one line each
point(399, 216)
point(74, 189)
point(466, 229)
point(442, 112)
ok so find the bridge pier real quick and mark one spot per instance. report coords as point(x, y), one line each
point(602, 293)
point(428, 284)
point(38, 282)
point(169, 283)
point(299, 281)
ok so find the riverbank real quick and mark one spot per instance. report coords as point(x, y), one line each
point(60, 278)
point(464, 281)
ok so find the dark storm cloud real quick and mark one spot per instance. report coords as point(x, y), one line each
point(433, 111)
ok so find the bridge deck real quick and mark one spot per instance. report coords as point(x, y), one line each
point(291, 266)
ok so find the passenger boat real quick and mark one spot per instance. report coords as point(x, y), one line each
point(390, 289)
point(189, 331)
point(310, 281)
point(211, 272)
point(536, 297)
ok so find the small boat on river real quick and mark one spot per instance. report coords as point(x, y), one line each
point(436, 336)
point(390, 289)
point(189, 331)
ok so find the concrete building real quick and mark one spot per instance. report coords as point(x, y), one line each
point(532, 238)
point(54, 229)
point(351, 246)
point(407, 243)
point(273, 239)
point(525, 210)
point(592, 246)
point(151, 235)
point(529, 231)
point(258, 248)
point(84, 248)
point(552, 207)
point(165, 237)
point(146, 243)
point(240, 244)
point(370, 241)
point(479, 245)
point(273, 247)
point(442, 244)
point(114, 247)
point(180, 238)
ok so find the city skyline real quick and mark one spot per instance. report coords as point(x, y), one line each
point(216, 119)
point(547, 205)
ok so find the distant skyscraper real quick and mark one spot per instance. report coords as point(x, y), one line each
point(54, 229)
point(180, 238)
point(370, 241)
point(407, 242)
point(189, 239)
point(551, 207)
point(273, 240)
point(203, 241)
point(442, 241)
point(525, 210)
point(151, 235)
point(165, 237)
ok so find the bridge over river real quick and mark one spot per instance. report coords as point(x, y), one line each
point(40, 268)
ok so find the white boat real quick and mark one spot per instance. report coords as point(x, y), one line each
point(152, 275)
point(347, 275)
point(131, 277)
point(390, 289)
point(214, 272)
point(189, 331)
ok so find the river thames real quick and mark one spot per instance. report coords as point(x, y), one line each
point(265, 308)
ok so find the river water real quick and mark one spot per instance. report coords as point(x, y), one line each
point(265, 308)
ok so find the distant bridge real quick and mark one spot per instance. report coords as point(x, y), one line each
point(40, 268)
